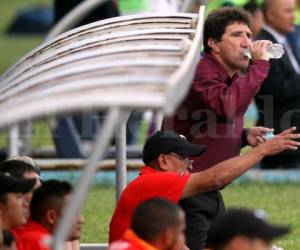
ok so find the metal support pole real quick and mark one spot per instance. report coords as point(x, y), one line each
point(158, 117)
point(187, 5)
point(121, 166)
point(13, 141)
point(25, 139)
point(77, 199)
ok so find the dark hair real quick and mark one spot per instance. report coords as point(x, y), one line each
point(217, 21)
point(8, 238)
point(50, 195)
point(18, 167)
point(251, 7)
point(153, 217)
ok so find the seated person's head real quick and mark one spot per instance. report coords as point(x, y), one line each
point(169, 151)
point(47, 204)
point(241, 229)
point(160, 223)
point(9, 241)
point(12, 190)
point(23, 167)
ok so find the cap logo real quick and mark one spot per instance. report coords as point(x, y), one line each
point(182, 136)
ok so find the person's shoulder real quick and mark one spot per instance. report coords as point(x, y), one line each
point(209, 66)
point(264, 35)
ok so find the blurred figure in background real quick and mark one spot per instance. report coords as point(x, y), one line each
point(278, 100)
point(156, 224)
point(105, 10)
point(241, 229)
point(257, 16)
point(294, 37)
point(22, 167)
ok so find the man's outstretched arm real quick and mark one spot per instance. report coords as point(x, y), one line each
point(225, 172)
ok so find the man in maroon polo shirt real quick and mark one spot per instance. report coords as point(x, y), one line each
point(166, 155)
point(213, 111)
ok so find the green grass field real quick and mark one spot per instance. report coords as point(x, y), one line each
point(12, 49)
point(280, 201)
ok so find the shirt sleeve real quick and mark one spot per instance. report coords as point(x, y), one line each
point(230, 100)
point(167, 185)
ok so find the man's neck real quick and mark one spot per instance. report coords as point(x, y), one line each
point(228, 69)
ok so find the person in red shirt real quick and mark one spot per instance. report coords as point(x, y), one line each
point(45, 209)
point(22, 167)
point(166, 155)
point(156, 224)
point(213, 111)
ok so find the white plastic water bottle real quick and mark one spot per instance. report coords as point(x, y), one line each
point(275, 51)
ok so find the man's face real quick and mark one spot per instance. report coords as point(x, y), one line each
point(28, 196)
point(229, 50)
point(12, 211)
point(281, 16)
point(245, 243)
point(179, 236)
point(76, 228)
point(178, 163)
point(77, 224)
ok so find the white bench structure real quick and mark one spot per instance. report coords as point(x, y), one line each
point(144, 61)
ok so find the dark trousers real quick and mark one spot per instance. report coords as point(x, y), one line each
point(201, 211)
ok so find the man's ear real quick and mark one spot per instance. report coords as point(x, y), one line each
point(51, 217)
point(163, 162)
point(213, 44)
